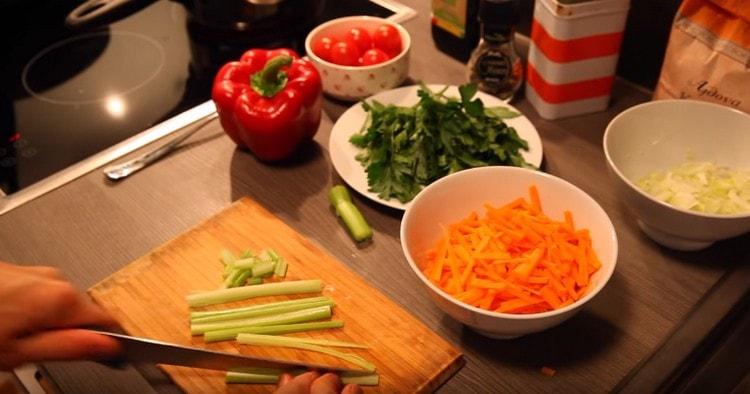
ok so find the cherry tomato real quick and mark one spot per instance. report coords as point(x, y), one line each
point(374, 56)
point(322, 47)
point(360, 37)
point(344, 53)
point(387, 38)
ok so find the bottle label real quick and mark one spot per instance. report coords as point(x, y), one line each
point(450, 15)
point(494, 67)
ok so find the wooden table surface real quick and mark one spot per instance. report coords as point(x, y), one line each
point(91, 228)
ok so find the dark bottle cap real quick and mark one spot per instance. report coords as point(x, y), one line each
point(499, 12)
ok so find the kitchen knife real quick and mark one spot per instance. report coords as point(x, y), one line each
point(157, 352)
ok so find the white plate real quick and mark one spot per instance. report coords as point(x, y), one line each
point(343, 152)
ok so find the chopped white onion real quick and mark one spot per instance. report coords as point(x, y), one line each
point(701, 186)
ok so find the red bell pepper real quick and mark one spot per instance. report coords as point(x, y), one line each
point(269, 102)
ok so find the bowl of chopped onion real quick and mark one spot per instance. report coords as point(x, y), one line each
point(508, 251)
point(682, 168)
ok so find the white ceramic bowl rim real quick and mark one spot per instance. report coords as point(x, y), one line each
point(516, 316)
point(639, 107)
point(405, 41)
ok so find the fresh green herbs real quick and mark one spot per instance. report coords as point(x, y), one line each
point(407, 148)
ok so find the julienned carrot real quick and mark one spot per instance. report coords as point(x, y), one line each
point(514, 259)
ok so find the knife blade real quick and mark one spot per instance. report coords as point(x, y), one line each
point(145, 350)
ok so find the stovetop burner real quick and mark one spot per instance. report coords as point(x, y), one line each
point(51, 76)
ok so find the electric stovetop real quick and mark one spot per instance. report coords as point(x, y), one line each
point(66, 95)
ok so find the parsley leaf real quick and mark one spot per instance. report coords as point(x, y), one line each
point(404, 149)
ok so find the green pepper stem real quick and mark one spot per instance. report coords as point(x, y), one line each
point(271, 80)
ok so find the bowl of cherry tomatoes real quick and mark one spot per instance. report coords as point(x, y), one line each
point(358, 56)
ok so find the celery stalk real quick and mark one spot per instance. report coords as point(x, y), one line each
point(231, 334)
point(281, 264)
point(259, 312)
point(227, 257)
point(251, 378)
point(242, 277)
point(246, 263)
point(349, 214)
point(258, 378)
point(328, 342)
point(363, 380)
point(231, 278)
point(245, 292)
point(300, 316)
point(281, 268)
point(272, 340)
point(309, 300)
point(263, 268)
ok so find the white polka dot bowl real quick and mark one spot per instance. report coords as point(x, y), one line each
point(353, 83)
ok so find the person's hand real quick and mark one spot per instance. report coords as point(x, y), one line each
point(314, 383)
point(39, 313)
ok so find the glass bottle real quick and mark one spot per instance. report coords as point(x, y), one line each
point(494, 65)
point(454, 28)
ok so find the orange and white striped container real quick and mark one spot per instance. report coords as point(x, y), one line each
point(573, 55)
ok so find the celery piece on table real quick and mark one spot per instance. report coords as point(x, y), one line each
point(241, 293)
point(308, 300)
point(254, 281)
point(273, 340)
point(247, 253)
point(260, 312)
point(299, 316)
point(351, 216)
point(231, 333)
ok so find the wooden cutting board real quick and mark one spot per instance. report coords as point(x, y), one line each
point(148, 298)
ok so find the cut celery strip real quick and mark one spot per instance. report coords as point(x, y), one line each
point(231, 278)
point(231, 334)
point(300, 316)
point(245, 292)
point(246, 254)
point(227, 257)
point(241, 278)
point(251, 378)
point(329, 342)
point(245, 264)
point(281, 268)
point(272, 340)
point(358, 227)
point(273, 255)
point(240, 377)
point(308, 300)
point(372, 379)
point(260, 312)
point(264, 268)
point(254, 281)
point(258, 370)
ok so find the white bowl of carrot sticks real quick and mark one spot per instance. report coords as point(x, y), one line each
point(508, 251)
